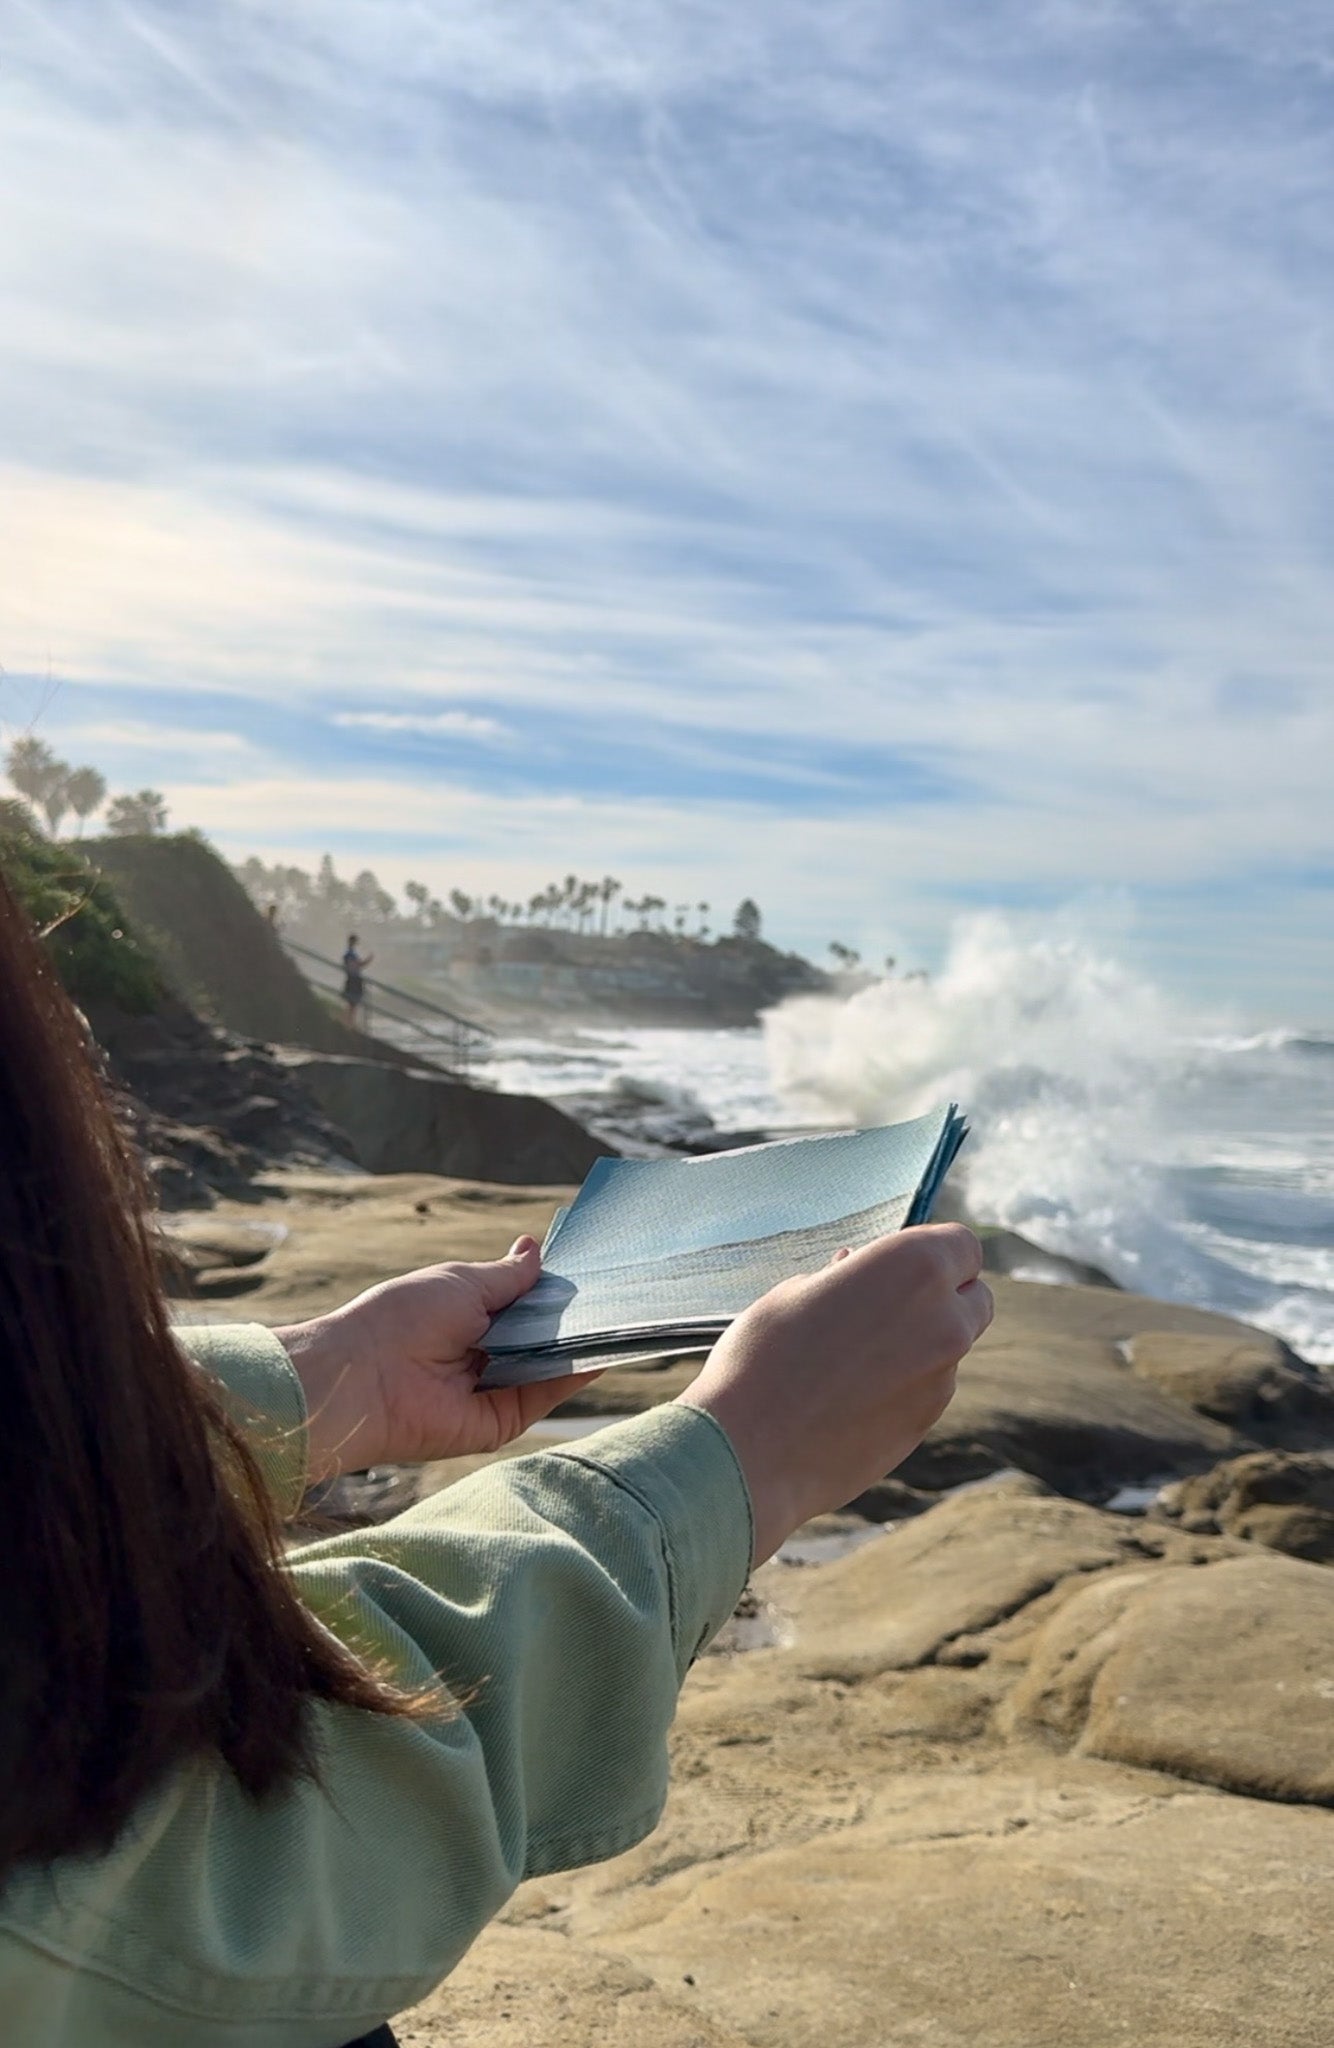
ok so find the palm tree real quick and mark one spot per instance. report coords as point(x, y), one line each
point(140, 815)
point(56, 801)
point(608, 888)
point(33, 768)
point(85, 789)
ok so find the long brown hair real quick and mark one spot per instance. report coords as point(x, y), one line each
point(144, 1613)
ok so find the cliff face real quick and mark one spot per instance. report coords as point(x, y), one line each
point(412, 1121)
point(214, 948)
point(227, 1062)
point(644, 976)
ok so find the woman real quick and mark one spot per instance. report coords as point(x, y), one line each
point(249, 1798)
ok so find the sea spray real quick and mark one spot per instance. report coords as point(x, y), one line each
point(1106, 1118)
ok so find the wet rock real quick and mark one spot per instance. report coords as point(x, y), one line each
point(336, 1233)
point(1282, 1499)
point(1005, 1251)
point(175, 1185)
point(357, 1500)
point(212, 1260)
point(1252, 1382)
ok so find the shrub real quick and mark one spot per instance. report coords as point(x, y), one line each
point(97, 956)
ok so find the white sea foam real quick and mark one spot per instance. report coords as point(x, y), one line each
point(1109, 1124)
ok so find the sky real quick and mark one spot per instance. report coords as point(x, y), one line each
point(872, 459)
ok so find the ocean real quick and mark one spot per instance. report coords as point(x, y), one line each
point(1188, 1157)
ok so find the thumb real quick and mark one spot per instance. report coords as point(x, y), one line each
point(502, 1281)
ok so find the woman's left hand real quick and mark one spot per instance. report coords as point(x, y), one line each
point(391, 1379)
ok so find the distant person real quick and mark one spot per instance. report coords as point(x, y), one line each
point(272, 915)
point(354, 983)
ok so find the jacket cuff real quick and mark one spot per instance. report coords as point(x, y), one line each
point(263, 1396)
point(680, 1465)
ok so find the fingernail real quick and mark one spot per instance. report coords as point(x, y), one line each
point(522, 1244)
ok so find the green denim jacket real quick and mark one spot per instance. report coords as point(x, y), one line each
point(562, 1598)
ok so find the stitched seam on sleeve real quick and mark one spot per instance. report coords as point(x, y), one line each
point(625, 1486)
point(741, 1480)
point(552, 1851)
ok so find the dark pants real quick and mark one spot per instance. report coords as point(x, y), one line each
point(382, 2038)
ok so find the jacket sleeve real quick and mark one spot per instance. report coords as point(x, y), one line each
point(263, 1396)
point(561, 1599)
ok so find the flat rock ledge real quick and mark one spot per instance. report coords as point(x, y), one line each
point(1025, 1775)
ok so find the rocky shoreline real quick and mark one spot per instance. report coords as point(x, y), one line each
point(1015, 1769)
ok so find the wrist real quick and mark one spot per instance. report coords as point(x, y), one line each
point(777, 1492)
point(340, 1428)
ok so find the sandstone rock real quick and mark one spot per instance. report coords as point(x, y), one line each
point(955, 1572)
point(1223, 1675)
point(342, 1232)
point(529, 1987)
point(406, 1120)
point(891, 1500)
point(1250, 1381)
point(858, 1859)
point(1283, 1499)
point(1010, 1910)
point(1048, 1390)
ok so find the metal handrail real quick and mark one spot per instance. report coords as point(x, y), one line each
point(404, 994)
point(456, 1046)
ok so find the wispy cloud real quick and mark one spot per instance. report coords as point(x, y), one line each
point(852, 407)
point(427, 724)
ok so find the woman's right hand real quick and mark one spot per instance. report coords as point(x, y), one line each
point(831, 1379)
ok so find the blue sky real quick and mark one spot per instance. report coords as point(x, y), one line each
point(876, 461)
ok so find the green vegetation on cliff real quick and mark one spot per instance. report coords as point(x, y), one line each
point(99, 957)
point(217, 951)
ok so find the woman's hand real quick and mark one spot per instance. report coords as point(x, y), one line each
point(830, 1380)
point(392, 1377)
